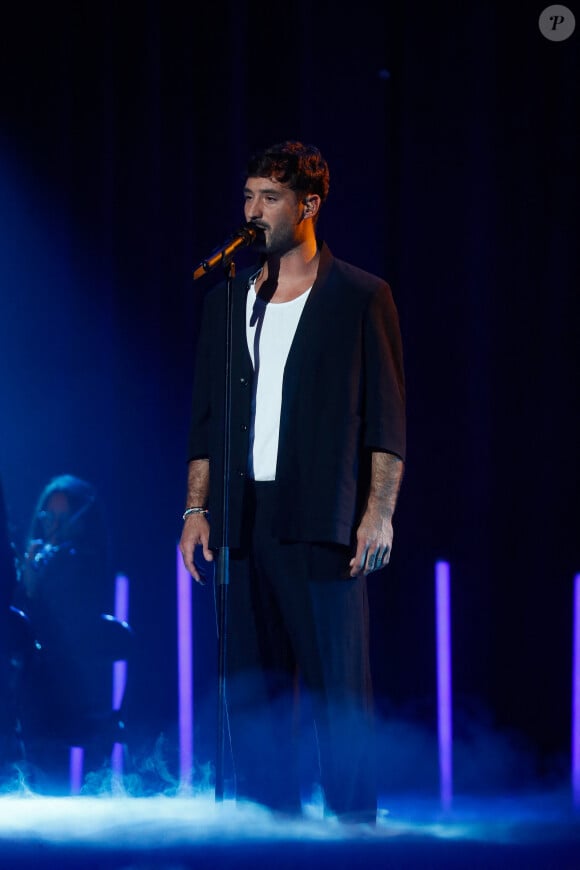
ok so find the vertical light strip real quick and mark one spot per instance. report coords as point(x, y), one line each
point(76, 762)
point(444, 694)
point(117, 765)
point(576, 694)
point(119, 682)
point(122, 597)
point(122, 614)
point(185, 674)
point(119, 674)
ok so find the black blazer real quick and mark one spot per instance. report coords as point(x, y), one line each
point(343, 396)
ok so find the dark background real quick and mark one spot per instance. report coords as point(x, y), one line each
point(451, 130)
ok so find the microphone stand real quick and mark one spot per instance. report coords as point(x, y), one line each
point(223, 567)
point(224, 256)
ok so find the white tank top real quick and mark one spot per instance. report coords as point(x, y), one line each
point(270, 329)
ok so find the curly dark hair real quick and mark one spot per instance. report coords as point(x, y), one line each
point(301, 167)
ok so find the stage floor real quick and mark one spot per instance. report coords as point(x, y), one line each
point(176, 832)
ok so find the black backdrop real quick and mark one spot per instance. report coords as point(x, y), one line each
point(452, 135)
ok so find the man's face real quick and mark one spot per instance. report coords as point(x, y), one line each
point(275, 209)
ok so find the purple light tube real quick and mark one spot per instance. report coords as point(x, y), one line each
point(119, 682)
point(576, 694)
point(76, 763)
point(122, 614)
point(117, 767)
point(122, 597)
point(119, 673)
point(185, 674)
point(444, 694)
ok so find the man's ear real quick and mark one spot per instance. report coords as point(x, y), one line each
point(310, 205)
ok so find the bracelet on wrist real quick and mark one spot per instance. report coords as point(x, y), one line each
point(195, 510)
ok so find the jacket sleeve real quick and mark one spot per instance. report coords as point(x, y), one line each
point(199, 434)
point(384, 392)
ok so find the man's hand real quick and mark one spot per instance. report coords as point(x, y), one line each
point(374, 540)
point(196, 527)
point(195, 532)
point(374, 536)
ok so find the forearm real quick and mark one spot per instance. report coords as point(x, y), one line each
point(386, 478)
point(374, 535)
point(197, 483)
point(195, 530)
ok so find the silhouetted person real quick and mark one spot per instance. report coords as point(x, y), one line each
point(65, 587)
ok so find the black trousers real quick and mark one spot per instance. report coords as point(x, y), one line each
point(298, 650)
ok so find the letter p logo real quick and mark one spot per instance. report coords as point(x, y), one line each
point(557, 23)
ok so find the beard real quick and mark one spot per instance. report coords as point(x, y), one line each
point(275, 242)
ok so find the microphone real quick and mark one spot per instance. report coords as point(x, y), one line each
point(243, 237)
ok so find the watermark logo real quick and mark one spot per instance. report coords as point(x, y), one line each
point(557, 23)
